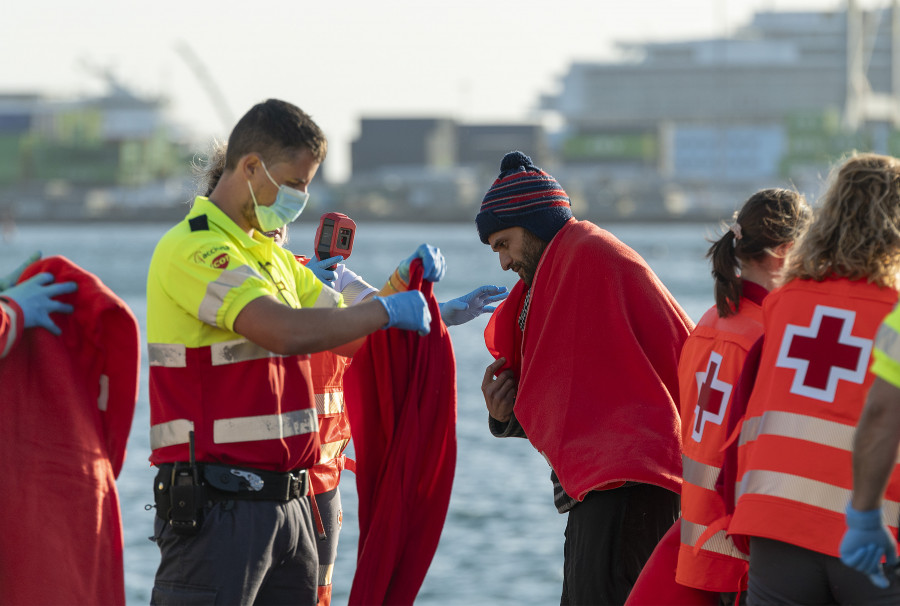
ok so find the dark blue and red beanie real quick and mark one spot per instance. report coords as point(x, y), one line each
point(523, 196)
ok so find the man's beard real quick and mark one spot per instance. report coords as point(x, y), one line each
point(249, 213)
point(532, 249)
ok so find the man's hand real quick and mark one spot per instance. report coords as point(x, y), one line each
point(433, 263)
point(321, 269)
point(499, 393)
point(407, 311)
point(866, 541)
point(470, 306)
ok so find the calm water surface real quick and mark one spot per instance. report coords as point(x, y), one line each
point(502, 541)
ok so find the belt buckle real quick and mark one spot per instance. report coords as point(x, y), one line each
point(298, 484)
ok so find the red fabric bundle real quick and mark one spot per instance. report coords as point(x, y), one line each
point(400, 395)
point(656, 585)
point(67, 407)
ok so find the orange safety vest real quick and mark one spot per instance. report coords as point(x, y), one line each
point(214, 392)
point(327, 373)
point(710, 364)
point(796, 442)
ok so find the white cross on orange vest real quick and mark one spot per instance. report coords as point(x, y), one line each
point(712, 396)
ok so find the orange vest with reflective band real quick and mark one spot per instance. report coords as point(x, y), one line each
point(796, 442)
point(334, 426)
point(216, 394)
point(710, 364)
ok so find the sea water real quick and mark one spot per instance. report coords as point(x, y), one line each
point(502, 540)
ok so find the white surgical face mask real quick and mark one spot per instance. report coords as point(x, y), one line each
point(288, 205)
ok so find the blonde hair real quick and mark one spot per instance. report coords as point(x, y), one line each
point(855, 233)
point(208, 170)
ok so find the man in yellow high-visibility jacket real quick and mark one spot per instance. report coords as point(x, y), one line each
point(231, 319)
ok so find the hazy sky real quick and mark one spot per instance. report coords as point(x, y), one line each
point(474, 60)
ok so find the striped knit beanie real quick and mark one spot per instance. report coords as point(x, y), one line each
point(523, 196)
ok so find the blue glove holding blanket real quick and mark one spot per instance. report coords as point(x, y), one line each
point(407, 311)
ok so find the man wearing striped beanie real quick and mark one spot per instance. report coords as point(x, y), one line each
point(525, 196)
point(586, 349)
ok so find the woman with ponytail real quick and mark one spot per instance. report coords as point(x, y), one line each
point(746, 262)
point(753, 248)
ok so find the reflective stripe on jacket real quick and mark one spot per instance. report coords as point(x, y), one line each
point(245, 405)
point(710, 364)
point(222, 400)
point(796, 440)
point(886, 353)
point(334, 425)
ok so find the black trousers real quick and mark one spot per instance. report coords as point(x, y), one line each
point(609, 537)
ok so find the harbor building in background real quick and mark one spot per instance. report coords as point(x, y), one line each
point(670, 130)
point(696, 121)
point(430, 167)
point(94, 157)
point(674, 129)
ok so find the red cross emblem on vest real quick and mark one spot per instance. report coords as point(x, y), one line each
point(824, 352)
point(712, 396)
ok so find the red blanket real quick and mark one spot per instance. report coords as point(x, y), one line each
point(400, 395)
point(656, 584)
point(67, 407)
point(597, 363)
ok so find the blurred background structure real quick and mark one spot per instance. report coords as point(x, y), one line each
point(671, 130)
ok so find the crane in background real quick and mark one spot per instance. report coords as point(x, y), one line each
point(209, 85)
point(862, 104)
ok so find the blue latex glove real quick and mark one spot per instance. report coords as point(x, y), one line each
point(321, 271)
point(13, 277)
point(35, 297)
point(470, 306)
point(867, 539)
point(432, 262)
point(408, 311)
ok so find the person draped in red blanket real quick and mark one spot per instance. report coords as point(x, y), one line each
point(794, 455)
point(587, 348)
point(68, 388)
point(746, 261)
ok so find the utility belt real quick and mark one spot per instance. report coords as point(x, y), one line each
point(181, 490)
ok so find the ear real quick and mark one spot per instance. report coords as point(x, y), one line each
point(248, 165)
point(781, 250)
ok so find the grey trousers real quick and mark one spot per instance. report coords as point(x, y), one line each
point(329, 504)
point(781, 573)
point(247, 552)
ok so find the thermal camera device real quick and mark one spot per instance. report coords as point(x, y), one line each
point(334, 236)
